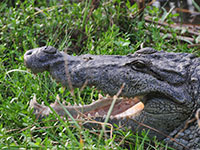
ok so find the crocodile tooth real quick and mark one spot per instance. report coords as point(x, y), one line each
point(36, 111)
point(89, 115)
point(100, 96)
point(111, 117)
point(56, 102)
point(108, 96)
point(120, 123)
point(34, 100)
point(42, 103)
point(57, 97)
point(97, 114)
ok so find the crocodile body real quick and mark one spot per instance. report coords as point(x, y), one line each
point(166, 83)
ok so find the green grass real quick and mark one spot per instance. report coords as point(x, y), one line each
point(109, 28)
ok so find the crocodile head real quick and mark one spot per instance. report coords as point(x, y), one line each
point(162, 86)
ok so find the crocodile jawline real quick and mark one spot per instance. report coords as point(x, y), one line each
point(124, 107)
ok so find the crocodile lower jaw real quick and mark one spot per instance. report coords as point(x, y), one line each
point(124, 107)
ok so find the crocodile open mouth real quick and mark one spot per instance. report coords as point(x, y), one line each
point(124, 107)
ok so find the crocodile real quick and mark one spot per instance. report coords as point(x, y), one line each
point(159, 91)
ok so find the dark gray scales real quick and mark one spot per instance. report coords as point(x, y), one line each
point(166, 83)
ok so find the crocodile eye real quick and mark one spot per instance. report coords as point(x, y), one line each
point(139, 64)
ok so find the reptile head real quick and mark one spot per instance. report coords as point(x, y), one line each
point(40, 59)
point(164, 82)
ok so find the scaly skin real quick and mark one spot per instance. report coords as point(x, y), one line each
point(166, 83)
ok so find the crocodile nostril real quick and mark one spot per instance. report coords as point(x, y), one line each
point(29, 52)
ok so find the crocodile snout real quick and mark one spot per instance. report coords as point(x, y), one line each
point(45, 49)
point(27, 57)
point(40, 59)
